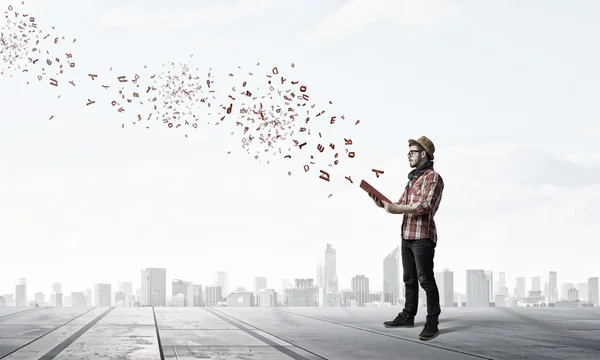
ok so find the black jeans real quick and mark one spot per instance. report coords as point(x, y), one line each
point(417, 261)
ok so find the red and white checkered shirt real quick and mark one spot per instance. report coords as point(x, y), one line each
point(424, 195)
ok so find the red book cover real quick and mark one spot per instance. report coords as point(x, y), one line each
point(371, 190)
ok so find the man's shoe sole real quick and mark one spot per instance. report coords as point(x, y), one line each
point(392, 327)
point(429, 338)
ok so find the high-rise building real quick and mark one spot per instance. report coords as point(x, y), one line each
point(552, 286)
point(490, 278)
point(214, 295)
point(502, 288)
point(194, 295)
point(572, 294)
point(190, 291)
point(56, 299)
point(536, 283)
point(391, 277)
point(521, 288)
point(154, 287)
point(593, 291)
point(584, 291)
point(478, 293)
point(223, 283)
point(445, 284)
point(360, 287)
point(102, 295)
point(21, 293)
point(501, 279)
point(267, 297)
point(78, 299)
point(260, 283)
point(89, 298)
point(564, 290)
point(303, 294)
point(40, 299)
point(326, 271)
point(179, 287)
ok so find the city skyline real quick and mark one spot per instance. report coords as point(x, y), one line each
point(153, 292)
point(520, 286)
point(344, 282)
point(85, 201)
point(325, 278)
point(323, 290)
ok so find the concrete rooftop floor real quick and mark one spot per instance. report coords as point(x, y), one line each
point(295, 333)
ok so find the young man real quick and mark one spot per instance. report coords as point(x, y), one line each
point(419, 203)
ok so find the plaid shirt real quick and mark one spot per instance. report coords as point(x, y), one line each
point(424, 194)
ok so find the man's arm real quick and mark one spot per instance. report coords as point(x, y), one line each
point(434, 186)
point(399, 207)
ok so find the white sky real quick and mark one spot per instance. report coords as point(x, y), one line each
point(508, 92)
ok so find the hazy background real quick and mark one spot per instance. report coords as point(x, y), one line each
point(508, 91)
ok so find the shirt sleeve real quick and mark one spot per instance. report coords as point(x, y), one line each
point(434, 187)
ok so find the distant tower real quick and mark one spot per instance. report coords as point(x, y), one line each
point(521, 288)
point(501, 280)
point(103, 295)
point(223, 282)
point(584, 291)
point(593, 291)
point(21, 293)
point(214, 295)
point(260, 283)
point(326, 271)
point(154, 287)
point(391, 277)
point(536, 283)
point(445, 283)
point(490, 278)
point(552, 287)
point(179, 287)
point(477, 289)
point(360, 287)
point(40, 299)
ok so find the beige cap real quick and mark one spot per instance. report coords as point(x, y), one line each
point(425, 143)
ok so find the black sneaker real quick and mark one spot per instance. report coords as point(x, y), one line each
point(400, 322)
point(429, 332)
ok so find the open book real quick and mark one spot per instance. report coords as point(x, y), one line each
point(371, 190)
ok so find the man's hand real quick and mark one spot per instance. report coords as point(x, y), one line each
point(397, 208)
point(391, 208)
point(377, 201)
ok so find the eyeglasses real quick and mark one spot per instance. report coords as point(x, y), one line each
point(411, 152)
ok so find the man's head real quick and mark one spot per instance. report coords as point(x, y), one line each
point(420, 151)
